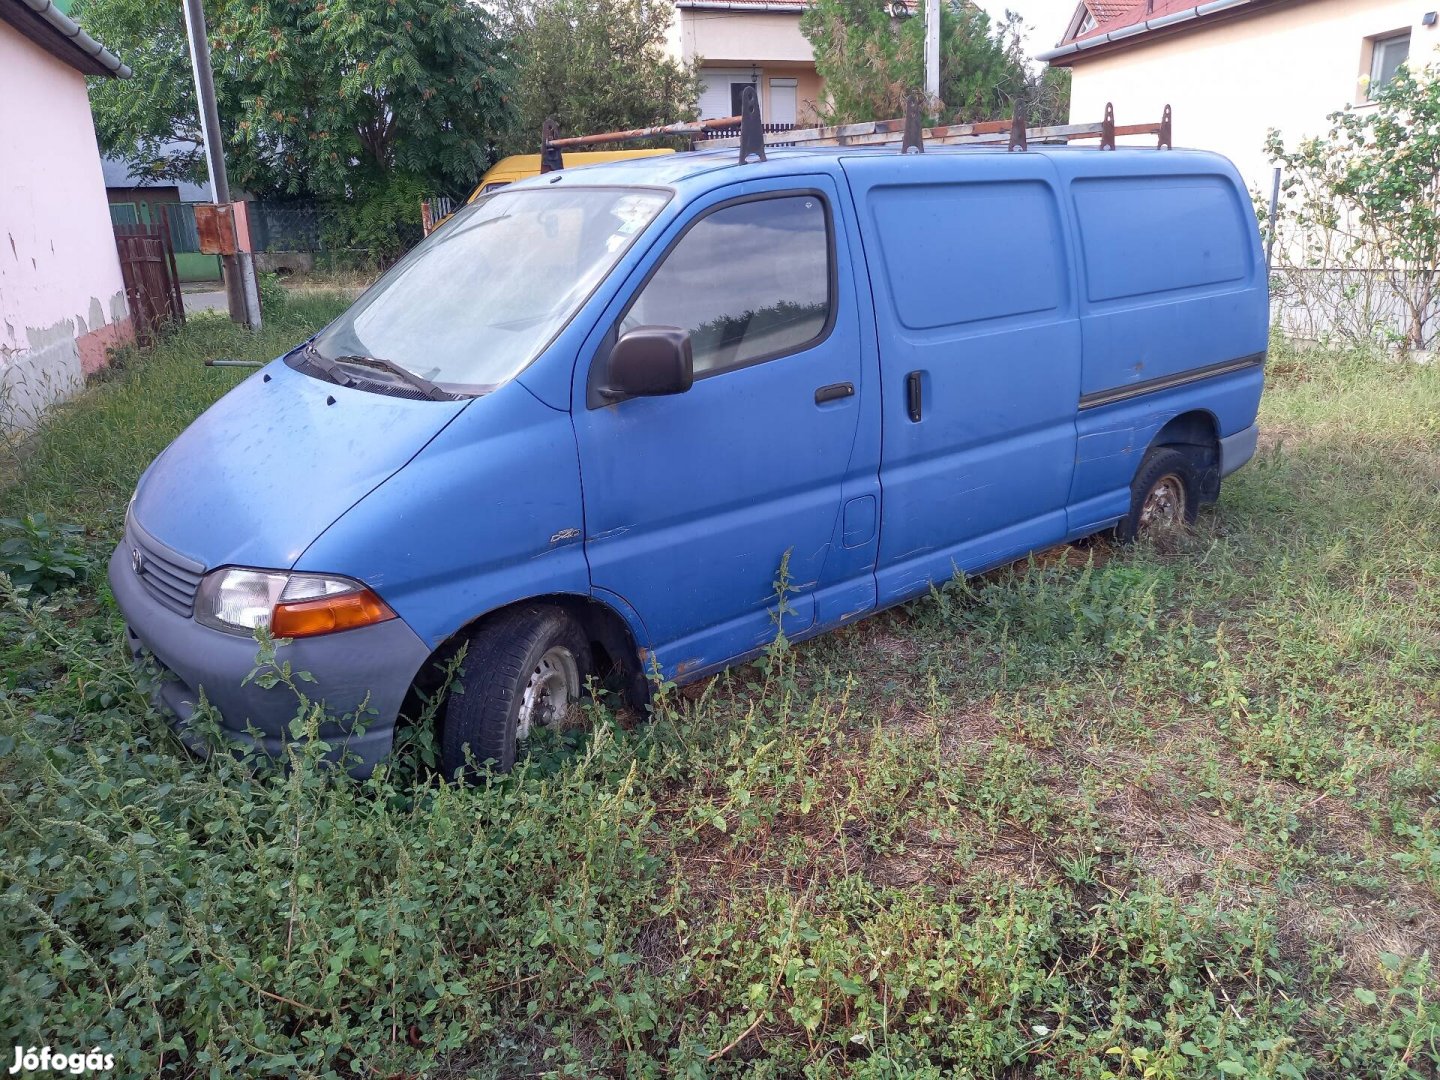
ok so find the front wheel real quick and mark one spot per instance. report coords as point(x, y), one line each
point(1164, 496)
point(524, 668)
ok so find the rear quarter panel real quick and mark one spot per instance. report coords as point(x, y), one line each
point(1171, 271)
point(1171, 282)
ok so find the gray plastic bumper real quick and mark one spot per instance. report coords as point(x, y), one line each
point(371, 667)
point(1237, 449)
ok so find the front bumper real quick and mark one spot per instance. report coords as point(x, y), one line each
point(367, 671)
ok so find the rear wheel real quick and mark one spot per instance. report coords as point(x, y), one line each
point(523, 669)
point(1164, 496)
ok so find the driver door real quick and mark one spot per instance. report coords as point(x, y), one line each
point(693, 501)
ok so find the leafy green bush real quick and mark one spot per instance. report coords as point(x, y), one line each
point(382, 219)
point(273, 296)
point(40, 555)
point(1151, 813)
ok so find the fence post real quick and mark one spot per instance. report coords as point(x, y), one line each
point(1274, 216)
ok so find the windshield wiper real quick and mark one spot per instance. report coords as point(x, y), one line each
point(326, 366)
point(404, 374)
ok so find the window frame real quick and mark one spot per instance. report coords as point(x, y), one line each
point(599, 367)
point(1377, 52)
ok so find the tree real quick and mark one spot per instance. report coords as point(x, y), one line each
point(331, 98)
point(1366, 196)
point(595, 65)
point(1048, 100)
point(871, 61)
point(149, 121)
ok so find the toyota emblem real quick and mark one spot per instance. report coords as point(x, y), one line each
point(137, 561)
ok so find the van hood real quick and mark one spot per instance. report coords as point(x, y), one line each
point(272, 464)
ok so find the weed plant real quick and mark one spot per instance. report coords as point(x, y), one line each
point(1168, 811)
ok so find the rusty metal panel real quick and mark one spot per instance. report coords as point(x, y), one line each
point(216, 225)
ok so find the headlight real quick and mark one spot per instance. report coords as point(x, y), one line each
point(239, 601)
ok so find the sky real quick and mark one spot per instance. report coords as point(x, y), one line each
point(1046, 19)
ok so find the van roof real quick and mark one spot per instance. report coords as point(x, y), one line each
point(678, 168)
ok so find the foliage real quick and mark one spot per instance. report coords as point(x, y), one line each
point(871, 61)
point(1366, 196)
point(1049, 100)
point(1107, 813)
point(382, 220)
point(272, 294)
point(594, 65)
point(318, 98)
point(41, 556)
point(151, 120)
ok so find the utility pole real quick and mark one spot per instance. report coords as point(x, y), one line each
point(932, 48)
point(239, 269)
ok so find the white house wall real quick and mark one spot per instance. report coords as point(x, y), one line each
point(1285, 68)
point(62, 300)
point(742, 36)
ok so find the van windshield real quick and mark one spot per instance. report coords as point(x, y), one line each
point(478, 299)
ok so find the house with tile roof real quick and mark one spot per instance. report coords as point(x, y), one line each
point(62, 297)
point(749, 43)
point(754, 43)
point(1233, 69)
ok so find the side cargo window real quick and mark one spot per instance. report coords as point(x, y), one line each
point(751, 281)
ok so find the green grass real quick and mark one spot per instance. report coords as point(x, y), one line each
point(1166, 812)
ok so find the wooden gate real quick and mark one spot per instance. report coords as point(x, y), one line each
point(152, 285)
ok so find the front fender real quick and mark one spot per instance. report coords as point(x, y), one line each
point(487, 514)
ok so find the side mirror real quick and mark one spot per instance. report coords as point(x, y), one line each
point(650, 361)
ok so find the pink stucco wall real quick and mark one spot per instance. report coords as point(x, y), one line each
point(62, 300)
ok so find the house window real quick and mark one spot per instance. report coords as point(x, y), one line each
point(783, 100)
point(1386, 56)
point(737, 91)
point(720, 95)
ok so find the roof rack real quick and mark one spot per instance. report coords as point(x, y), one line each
point(552, 148)
point(907, 131)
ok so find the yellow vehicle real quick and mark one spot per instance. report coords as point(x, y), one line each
point(519, 166)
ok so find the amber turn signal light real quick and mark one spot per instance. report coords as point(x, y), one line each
point(326, 615)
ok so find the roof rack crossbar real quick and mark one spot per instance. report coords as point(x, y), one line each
point(551, 159)
point(551, 147)
point(752, 132)
point(912, 139)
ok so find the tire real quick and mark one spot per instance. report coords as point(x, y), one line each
point(1165, 495)
point(530, 650)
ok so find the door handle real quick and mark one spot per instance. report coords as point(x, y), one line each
point(912, 396)
point(834, 392)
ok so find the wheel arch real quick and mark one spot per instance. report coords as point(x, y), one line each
point(612, 640)
point(1196, 434)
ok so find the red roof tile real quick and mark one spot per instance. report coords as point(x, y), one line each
point(1111, 15)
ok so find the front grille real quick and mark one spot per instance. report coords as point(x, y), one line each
point(167, 575)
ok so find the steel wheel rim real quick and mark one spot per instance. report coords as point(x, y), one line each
point(1164, 507)
point(553, 684)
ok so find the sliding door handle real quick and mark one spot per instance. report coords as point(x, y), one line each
point(912, 396)
point(834, 392)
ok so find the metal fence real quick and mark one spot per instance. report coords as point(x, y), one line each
point(734, 133)
point(291, 225)
point(178, 217)
point(1349, 304)
point(183, 235)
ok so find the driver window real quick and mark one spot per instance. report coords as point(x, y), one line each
point(750, 282)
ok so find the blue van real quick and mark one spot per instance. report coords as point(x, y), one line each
point(577, 429)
